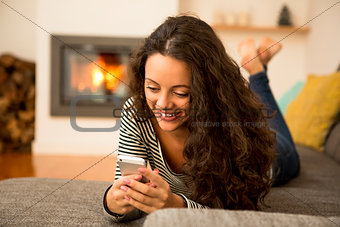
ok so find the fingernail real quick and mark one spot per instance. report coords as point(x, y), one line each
point(138, 177)
point(127, 198)
point(124, 188)
point(141, 170)
point(126, 181)
point(156, 171)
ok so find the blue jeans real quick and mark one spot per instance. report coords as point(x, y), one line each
point(286, 164)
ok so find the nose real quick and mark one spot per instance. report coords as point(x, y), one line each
point(164, 102)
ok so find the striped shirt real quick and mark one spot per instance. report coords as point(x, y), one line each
point(138, 138)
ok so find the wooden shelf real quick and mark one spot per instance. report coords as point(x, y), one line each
point(223, 27)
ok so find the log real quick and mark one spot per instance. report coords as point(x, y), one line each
point(7, 60)
point(18, 78)
point(13, 129)
point(26, 116)
point(4, 104)
point(1, 146)
point(27, 135)
point(3, 75)
point(10, 90)
point(29, 104)
point(31, 92)
point(17, 102)
point(25, 67)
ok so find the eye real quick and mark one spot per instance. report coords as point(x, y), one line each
point(182, 94)
point(153, 89)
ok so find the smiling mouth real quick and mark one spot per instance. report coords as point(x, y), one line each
point(167, 116)
point(170, 114)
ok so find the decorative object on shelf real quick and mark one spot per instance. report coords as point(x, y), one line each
point(230, 18)
point(243, 18)
point(285, 17)
point(218, 17)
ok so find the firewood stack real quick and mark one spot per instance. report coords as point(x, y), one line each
point(17, 91)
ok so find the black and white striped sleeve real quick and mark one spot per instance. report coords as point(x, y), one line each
point(130, 138)
point(192, 204)
point(130, 143)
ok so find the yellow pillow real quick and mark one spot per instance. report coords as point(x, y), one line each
point(311, 114)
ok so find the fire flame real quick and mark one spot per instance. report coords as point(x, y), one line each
point(106, 77)
point(109, 75)
point(97, 78)
point(112, 78)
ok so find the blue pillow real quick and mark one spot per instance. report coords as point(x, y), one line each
point(290, 96)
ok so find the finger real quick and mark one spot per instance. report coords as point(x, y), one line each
point(148, 165)
point(138, 177)
point(120, 181)
point(116, 202)
point(142, 198)
point(142, 188)
point(152, 176)
point(122, 203)
point(118, 196)
point(145, 208)
point(151, 184)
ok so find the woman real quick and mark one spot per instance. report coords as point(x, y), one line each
point(194, 118)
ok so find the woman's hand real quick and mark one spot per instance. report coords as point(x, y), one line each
point(150, 197)
point(115, 197)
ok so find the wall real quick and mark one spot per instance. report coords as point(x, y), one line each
point(133, 18)
point(317, 52)
point(18, 35)
point(289, 66)
point(323, 46)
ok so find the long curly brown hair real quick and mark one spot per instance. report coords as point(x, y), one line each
point(229, 150)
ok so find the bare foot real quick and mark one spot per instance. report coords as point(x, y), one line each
point(267, 49)
point(250, 59)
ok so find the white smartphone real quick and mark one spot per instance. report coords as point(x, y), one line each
point(129, 165)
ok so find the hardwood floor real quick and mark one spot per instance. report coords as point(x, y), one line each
point(57, 166)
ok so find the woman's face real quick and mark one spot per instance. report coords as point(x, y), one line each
point(167, 90)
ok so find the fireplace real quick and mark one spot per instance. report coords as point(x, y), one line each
point(89, 74)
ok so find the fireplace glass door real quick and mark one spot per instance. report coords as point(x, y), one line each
point(91, 70)
point(94, 72)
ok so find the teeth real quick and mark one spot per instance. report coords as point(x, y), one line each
point(169, 115)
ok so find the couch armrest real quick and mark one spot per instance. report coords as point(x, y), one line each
point(332, 145)
point(219, 217)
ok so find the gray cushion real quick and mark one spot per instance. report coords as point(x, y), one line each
point(54, 202)
point(186, 217)
point(316, 191)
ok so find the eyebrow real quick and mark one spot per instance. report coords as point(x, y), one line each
point(175, 86)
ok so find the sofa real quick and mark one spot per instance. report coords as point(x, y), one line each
point(311, 199)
